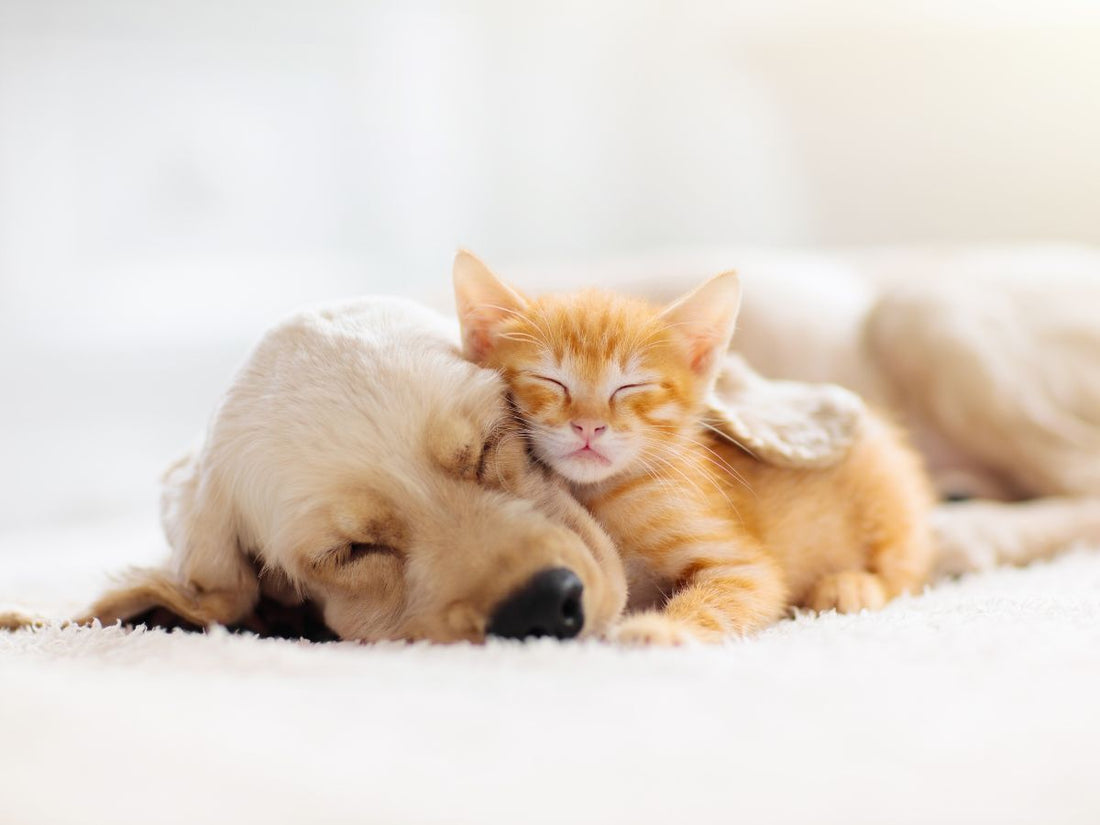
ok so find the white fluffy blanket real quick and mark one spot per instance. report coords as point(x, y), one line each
point(976, 702)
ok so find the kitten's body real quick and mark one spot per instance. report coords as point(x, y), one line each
point(716, 542)
point(848, 536)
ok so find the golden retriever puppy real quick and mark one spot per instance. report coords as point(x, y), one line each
point(357, 462)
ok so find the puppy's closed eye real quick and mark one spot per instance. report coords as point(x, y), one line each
point(360, 549)
point(357, 551)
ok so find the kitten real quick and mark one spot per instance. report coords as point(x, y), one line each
point(716, 543)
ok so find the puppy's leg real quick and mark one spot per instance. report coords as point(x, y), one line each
point(977, 535)
point(1004, 373)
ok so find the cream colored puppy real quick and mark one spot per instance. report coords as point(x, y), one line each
point(358, 463)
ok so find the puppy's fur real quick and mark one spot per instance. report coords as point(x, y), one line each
point(360, 463)
point(992, 361)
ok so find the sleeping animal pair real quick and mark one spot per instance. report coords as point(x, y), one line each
point(360, 466)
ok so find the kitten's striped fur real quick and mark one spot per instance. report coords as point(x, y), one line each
point(715, 542)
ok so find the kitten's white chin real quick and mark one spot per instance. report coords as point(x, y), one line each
point(583, 469)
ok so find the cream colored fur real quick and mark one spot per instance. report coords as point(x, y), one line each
point(995, 369)
point(358, 462)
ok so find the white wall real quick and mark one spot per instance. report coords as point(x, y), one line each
point(175, 174)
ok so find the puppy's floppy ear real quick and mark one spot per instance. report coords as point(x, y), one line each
point(785, 423)
point(160, 598)
point(704, 320)
point(483, 302)
point(210, 580)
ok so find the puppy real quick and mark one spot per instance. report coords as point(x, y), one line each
point(358, 463)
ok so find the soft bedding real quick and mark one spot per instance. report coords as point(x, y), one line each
point(975, 702)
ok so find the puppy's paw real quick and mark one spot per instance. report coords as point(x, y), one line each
point(651, 630)
point(848, 592)
point(12, 620)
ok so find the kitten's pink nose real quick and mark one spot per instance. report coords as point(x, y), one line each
point(588, 429)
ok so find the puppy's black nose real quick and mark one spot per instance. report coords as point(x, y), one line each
point(548, 605)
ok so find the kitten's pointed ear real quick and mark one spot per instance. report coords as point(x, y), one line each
point(704, 319)
point(483, 302)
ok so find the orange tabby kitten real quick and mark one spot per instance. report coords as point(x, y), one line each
point(715, 542)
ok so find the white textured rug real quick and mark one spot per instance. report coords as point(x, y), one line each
point(976, 702)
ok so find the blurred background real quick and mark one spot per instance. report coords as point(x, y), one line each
point(175, 175)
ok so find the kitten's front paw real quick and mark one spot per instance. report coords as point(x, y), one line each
point(848, 592)
point(651, 630)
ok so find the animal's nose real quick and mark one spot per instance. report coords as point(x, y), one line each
point(588, 430)
point(549, 604)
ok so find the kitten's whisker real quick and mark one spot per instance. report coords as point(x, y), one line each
point(716, 458)
point(666, 484)
point(542, 324)
point(526, 316)
point(520, 336)
point(727, 437)
point(515, 313)
point(638, 342)
point(671, 466)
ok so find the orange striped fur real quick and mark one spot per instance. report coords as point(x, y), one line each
point(715, 542)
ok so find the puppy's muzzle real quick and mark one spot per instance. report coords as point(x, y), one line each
point(549, 604)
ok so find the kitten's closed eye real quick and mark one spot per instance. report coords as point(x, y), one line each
point(555, 382)
point(628, 389)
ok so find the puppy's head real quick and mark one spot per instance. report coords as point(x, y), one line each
point(360, 463)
